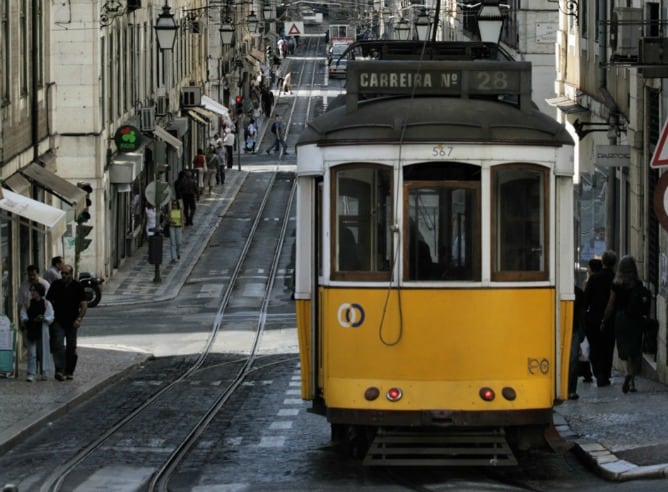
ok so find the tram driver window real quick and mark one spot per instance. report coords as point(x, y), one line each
point(519, 227)
point(443, 231)
point(362, 208)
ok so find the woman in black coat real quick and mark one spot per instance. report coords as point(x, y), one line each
point(629, 303)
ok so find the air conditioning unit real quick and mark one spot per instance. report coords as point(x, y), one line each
point(162, 108)
point(191, 96)
point(625, 32)
point(147, 119)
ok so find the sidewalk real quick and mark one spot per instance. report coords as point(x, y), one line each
point(623, 437)
point(132, 283)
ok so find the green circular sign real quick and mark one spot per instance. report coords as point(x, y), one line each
point(128, 138)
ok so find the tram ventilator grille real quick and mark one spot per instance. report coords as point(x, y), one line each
point(487, 447)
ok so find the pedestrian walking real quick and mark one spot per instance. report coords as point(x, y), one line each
point(629, 303)
point(187, 190)
point(199, 164)
point(287, 83)
point(32, 278)
point(69, 304)
point(176, 222)
point(267, 102)
point(35, 320)
point(577, 336)
point(601, 341)
point(228, 142)
point(212, 165)
point(279, 136)
point(53, 272)
point(251, 134)
point(221, 152)
point(279, 77)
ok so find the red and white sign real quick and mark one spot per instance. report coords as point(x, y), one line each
point(294, 28)
point(660, 156)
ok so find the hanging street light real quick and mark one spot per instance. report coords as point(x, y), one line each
point(226, 32)
point(402, 30)
point(423, 25)
point(490, 22)
point(165, 28)
point(252, 22)
point(268, 12)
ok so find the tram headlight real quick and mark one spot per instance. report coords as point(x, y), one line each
point(487, 394)
point(394, 394)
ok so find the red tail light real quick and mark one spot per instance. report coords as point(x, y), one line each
point(394, 394)
point(487, 394)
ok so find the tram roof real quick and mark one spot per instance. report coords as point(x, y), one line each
point(434, 119)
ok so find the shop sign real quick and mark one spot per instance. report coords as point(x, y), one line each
point(128, 138)
point(613, 155)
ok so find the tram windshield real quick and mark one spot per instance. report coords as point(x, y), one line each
point(443, 223)
point(361, 243)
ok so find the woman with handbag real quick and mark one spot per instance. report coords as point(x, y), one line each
point(627, 309)
point(35, 319)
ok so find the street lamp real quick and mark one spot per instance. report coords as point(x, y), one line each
point(165, 30)
point(226, 32)
point(490, 22)
point(423, 25)
point(252, 22)
point(268, 11)
point(402, 30)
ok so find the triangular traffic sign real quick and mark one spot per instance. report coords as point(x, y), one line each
point(660, 156)
point(295, 29)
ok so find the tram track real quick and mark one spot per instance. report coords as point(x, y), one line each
point(163, 405)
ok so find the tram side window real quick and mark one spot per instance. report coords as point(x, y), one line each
point(443, 231)
point(362, 210)
point(520, 232)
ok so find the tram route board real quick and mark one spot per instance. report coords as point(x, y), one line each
point(447, 78)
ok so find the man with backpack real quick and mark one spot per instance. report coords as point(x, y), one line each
point(279, 136)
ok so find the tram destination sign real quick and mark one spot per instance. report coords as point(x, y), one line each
point(449, 78)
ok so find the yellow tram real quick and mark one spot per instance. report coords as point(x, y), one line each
point(434, 262)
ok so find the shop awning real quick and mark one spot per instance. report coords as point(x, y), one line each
point(566, 105)
point(17, 183)
point(169, 139)
point(51, 217)
point(51, 182)
point(197, 117)
point(210, 116)
point(258, 55)
point(215, 106)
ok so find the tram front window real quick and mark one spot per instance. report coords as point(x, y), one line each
point(361, 239)
point(443, 231)
point(520, 222)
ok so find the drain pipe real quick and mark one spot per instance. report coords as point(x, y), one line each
point(34, 72)
point(611, 232)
